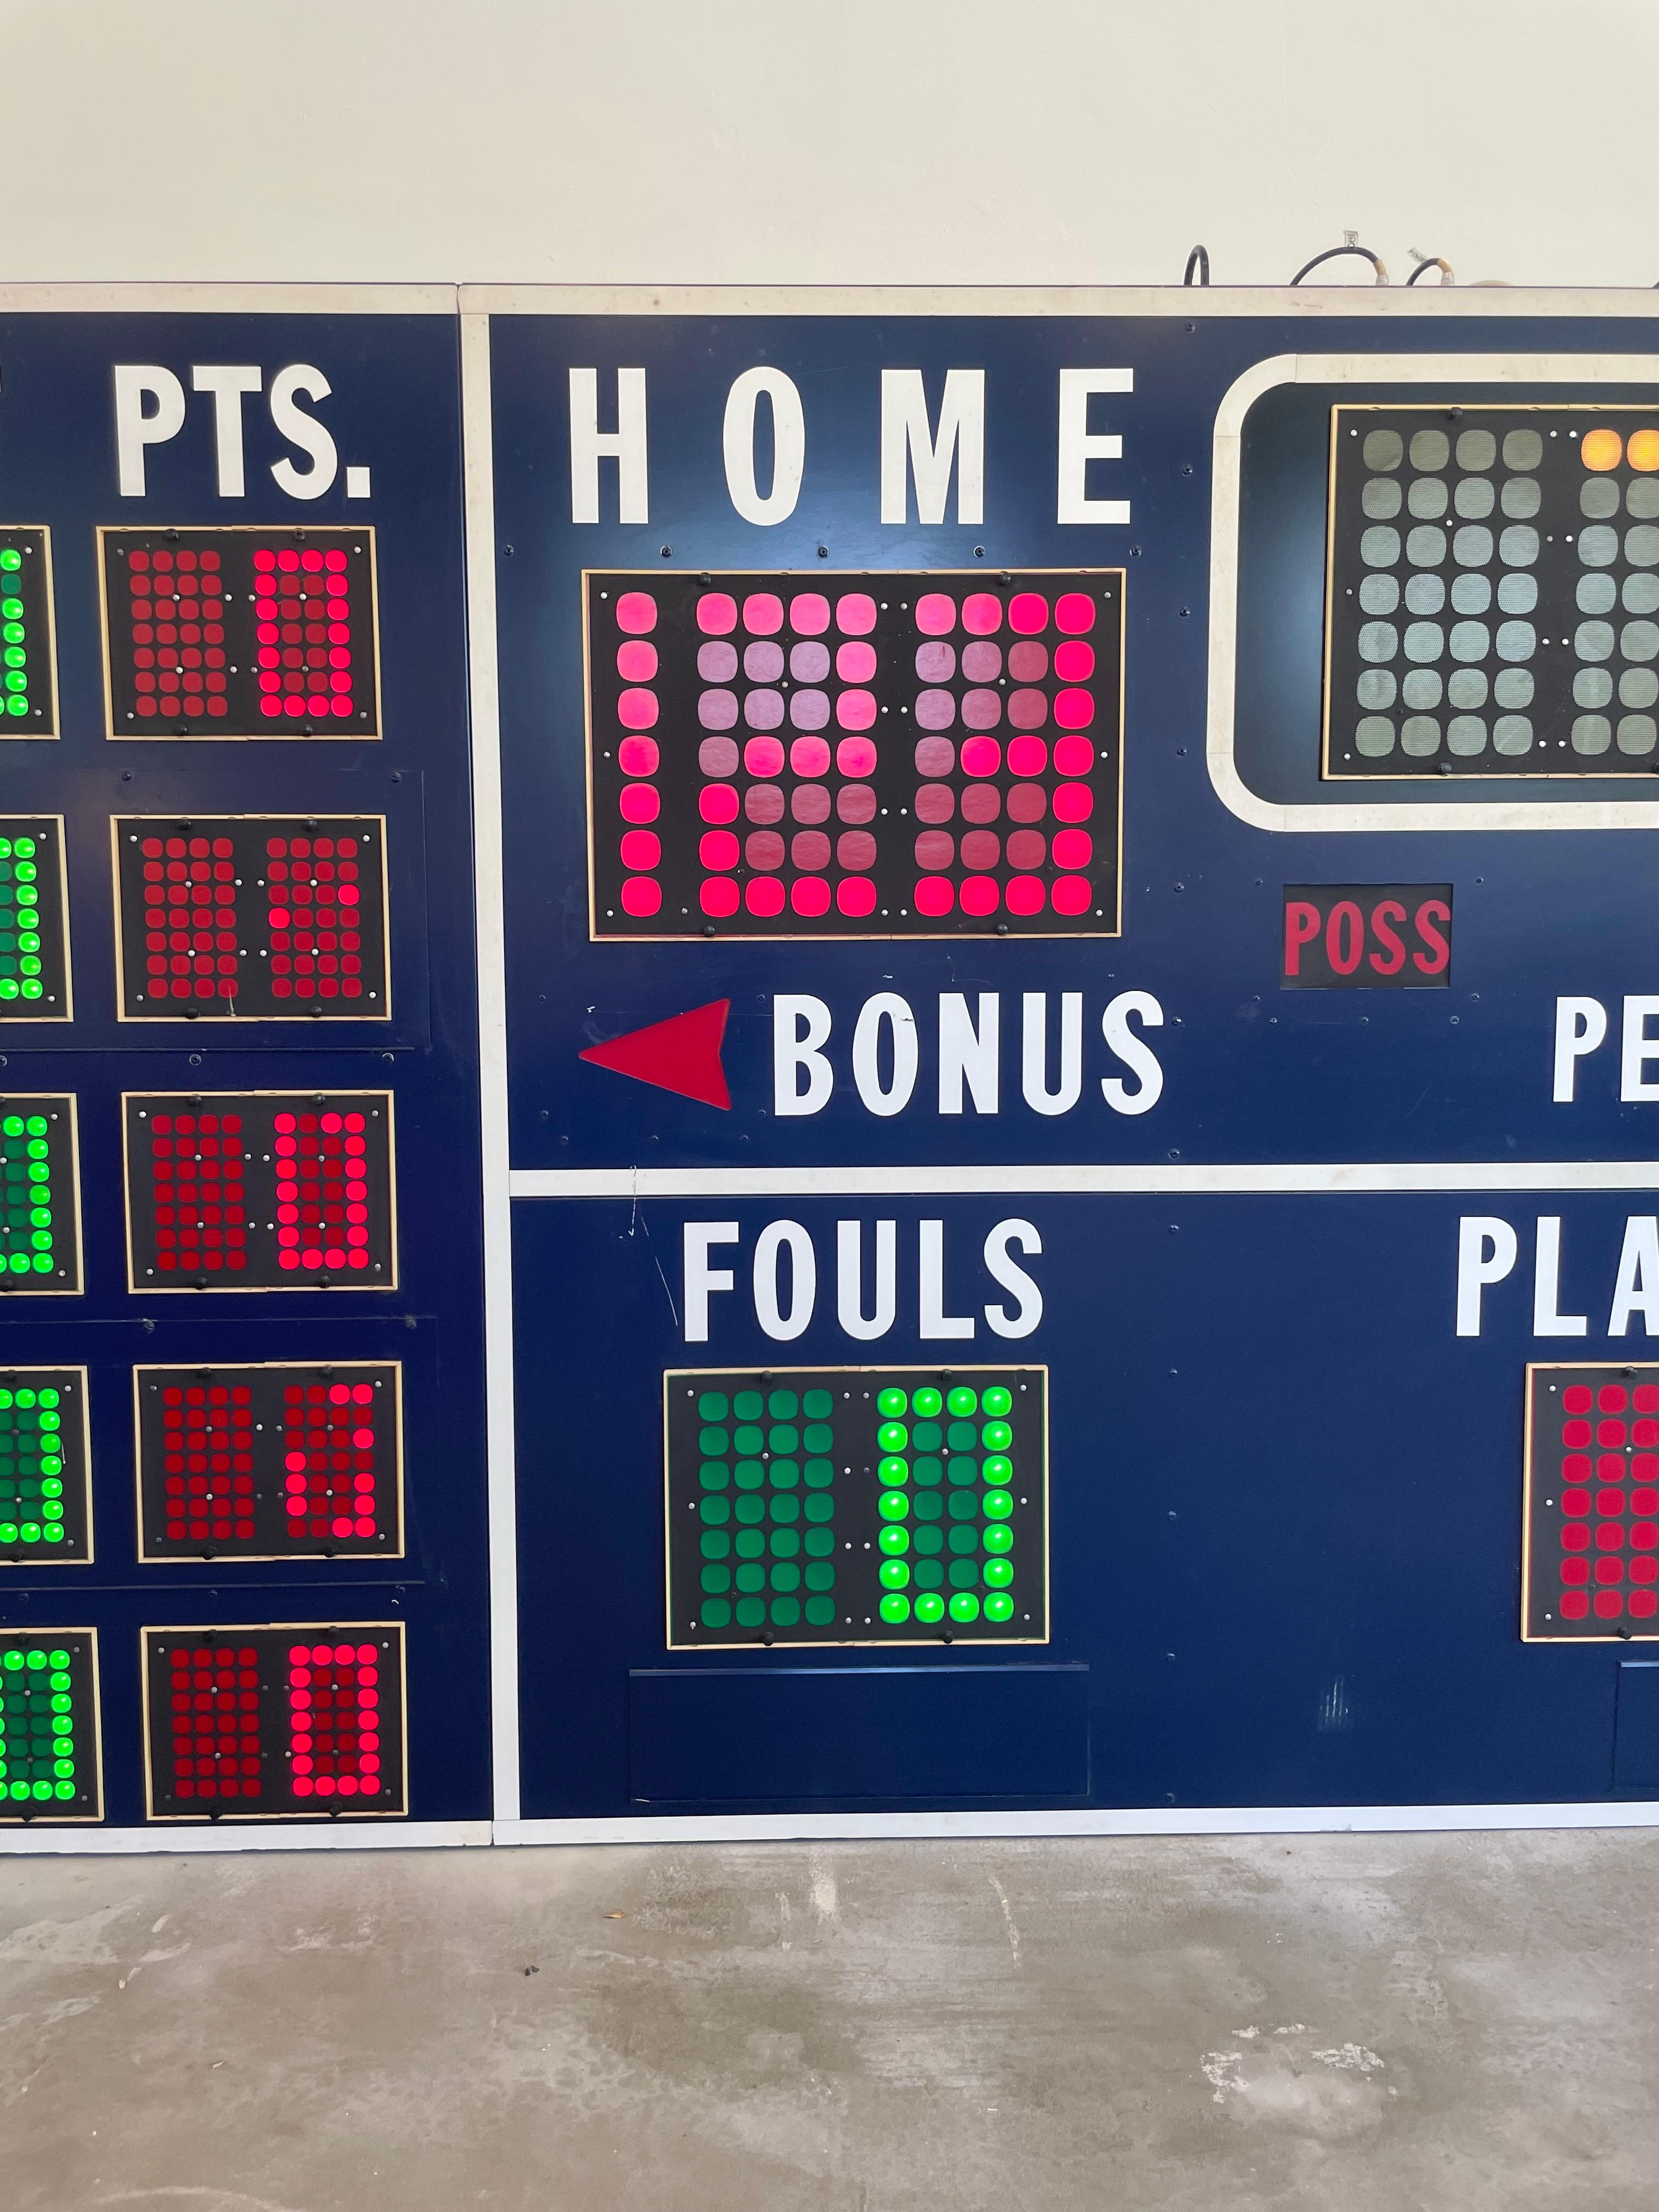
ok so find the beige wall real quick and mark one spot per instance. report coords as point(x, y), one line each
point(961, 141)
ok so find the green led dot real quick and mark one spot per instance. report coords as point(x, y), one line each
point(12, 609)
point(785, 1543)
point(893, 1505)
point(10, 559)
point(894, 1470)
point(894, 1609)
point(714, 1513)
point(783, 1436)
point(17, 1790)
point(964, 1538)
point(962, 1400)
point(31, 989)
point(996, 1436)
point(786, 1575)
point(63, 1767)
point(749, 1438)
point(895, 1575)
point(820, 1474)
point(31, 1532)
point(930, 1606)
point(783, 1405)
point(24, 850)
point(890, 1402)
point(929, 1472)
point(716, 1614)
point(9, 989)
point(751, 1511)
point(750, 1578)
point(712, 1406)
point(785, 1474)
point(59, 1658)
point(786, 1612)
point(999, 1573)
point(748, 1405)
point(14, 633)
point(818, 1404)
point(963, 1436)
point(749, 1475)
point(893, 1436)
point(965, 1606)
point(713, 1442)
point(820, 1575)
point(999, 1537)
point(11, 1661)
point(963, 1470)
point(37, 1662)
point(12, 1125)
point(26, 1398)
point(41, 1792)
point(713, 1474)
point(54, 1534)
point(821, 1611)
point(929, 1537)
point(716, 1579)
point(818, 1508)
point(7, 1532)
point(894, 1540)
point(43, 1262)
point(17, 705)
point(751, 1612)
point(998, 1504)
point(15, 657)
point(17, 1263)
point(818, 1437)
point(998, 1470)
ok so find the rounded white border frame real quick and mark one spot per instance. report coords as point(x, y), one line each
point(1234, 794)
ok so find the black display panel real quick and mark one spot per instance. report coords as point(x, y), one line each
point(857, 1505)
point(274, 1723)
point(1591, 1560)
point(251, 632)
point(261, 917)
point(28, 676)
point(45, 1467)
point(910, 753)
point(1366, 937)
point(1492, 604)
point(277, 1461)
point(50, 1758)
point(34, 969)
point(263, 1190)
point(40, 1194)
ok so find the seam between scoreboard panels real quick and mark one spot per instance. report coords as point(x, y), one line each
point(1362, 1178)
point(1224, 503)
point(1223, 1821)
point(484, 707)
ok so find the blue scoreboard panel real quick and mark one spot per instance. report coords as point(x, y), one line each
point(826, 1060)
point(243, 1566)
point(1098, 862)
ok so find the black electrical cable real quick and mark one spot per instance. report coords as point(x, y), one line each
point(1335, 254)
point(1198, 258)
point(1434, 261)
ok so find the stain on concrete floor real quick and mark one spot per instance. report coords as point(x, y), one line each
point(1362, 2022)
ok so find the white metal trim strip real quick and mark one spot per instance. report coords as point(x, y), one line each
point(1316, 303)
point(1595, 812)
point(229, 299)
point(279, 1836)
point(1223, 1821)
point(1093, 1179)
point(491, 940)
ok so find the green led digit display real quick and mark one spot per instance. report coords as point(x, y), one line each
point(44, 1500)
point(39, 1223)
point(27, 700)
point(858, 1506)
point(49, 1753)
point(34, 935)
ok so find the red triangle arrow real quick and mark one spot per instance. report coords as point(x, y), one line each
point(681, 1055)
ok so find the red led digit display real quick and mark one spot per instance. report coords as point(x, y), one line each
point(909, 755)
point(270, 1461)
point(241, 632)
point(1592, 1504)
point(260, 1191)
point(271, 918)
point(261, 1723)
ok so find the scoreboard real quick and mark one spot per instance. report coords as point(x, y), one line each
point(879, 1065)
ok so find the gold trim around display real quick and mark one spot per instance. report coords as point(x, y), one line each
point(68, 1014)
point(10, 1376)
point(853, 1643)
point(1529, 1633)
point(691, 934)
point(219, 1817)
point(258, 1290)
point(266, 736)
point(44, 1819)
point(199, 1373)
point(148, 1021)
point(1326, 773)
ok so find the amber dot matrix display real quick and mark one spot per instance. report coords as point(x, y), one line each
point(859, 1506)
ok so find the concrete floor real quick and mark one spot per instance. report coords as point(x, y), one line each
point(1347, 2023)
